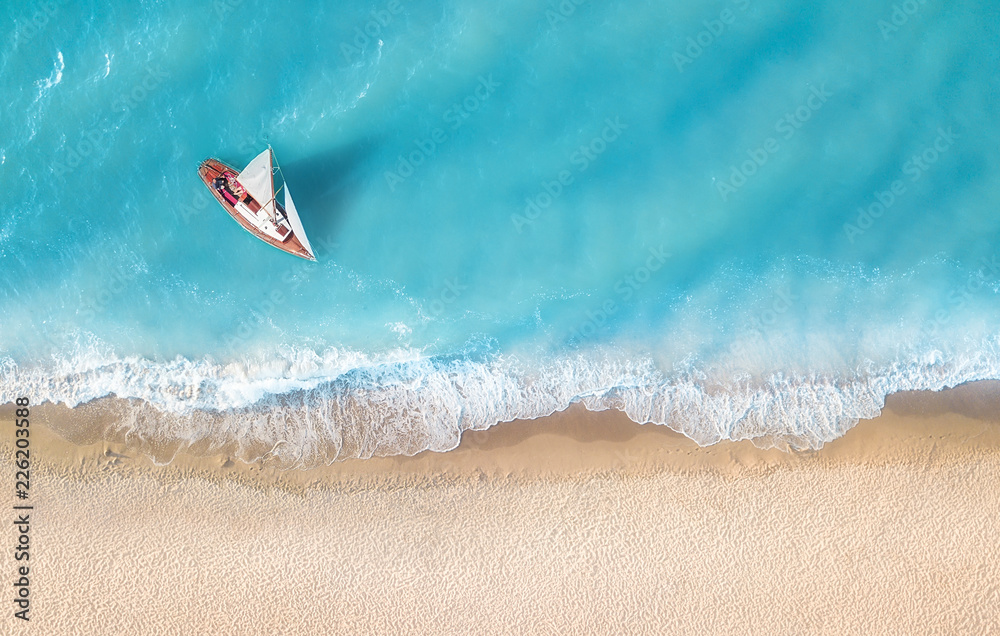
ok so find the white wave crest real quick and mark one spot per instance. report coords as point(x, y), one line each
point(54, 79)
point(308, 408)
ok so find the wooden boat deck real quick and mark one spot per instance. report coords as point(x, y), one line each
point(212, 168)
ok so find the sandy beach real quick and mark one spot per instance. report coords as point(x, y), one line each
point(576, 523)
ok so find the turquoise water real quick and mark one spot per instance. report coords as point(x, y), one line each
point(740, 219)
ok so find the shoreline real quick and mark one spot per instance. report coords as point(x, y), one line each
point(571, 444)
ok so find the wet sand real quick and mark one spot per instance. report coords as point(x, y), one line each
point(576, 523)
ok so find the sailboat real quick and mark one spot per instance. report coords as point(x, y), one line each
point(250, 198)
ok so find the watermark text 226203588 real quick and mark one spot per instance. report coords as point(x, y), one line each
point(22, 511)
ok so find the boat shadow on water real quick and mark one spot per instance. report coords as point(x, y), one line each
point(324, 185)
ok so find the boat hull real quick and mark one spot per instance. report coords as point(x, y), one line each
point(212, 168)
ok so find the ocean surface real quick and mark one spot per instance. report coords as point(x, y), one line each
point(742, 219)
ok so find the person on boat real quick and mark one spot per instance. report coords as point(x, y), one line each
point(234, 185)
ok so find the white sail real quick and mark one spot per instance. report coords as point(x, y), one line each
point(293, 220)
point(258, 179)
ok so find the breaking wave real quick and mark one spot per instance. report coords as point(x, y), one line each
point(305, 409)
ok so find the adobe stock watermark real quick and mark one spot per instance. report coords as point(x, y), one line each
point(224, 8)
point(900, 16)
point(454, 118)
point(111, 287)
point(958, 298)
point(251, 145)
point(75, 156)
point(705, 38)
point(153, 79)
point(199, 203)
point(562, 11)
point(781, 302)
point(581, 159)
point(258, 313)
point(624, 288)
point(380, 19)
point(915, 168)
point(442, 299)
point(44, 12)
point(450, 294)
point(787, 127)
point(127, 102)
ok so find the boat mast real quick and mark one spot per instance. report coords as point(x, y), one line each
point(274, 194)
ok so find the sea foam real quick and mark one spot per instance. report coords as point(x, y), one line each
point(305, 408)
